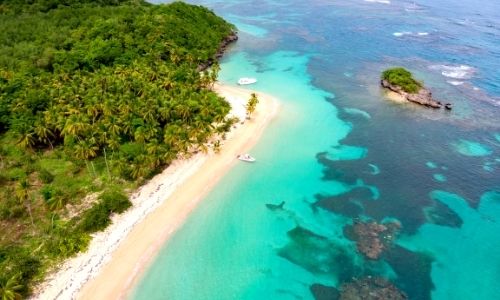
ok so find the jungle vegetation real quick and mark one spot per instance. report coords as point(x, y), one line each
point(95, 98)
point(402, 78)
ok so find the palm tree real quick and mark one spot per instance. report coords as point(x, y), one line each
point(165, 112)
point(216, 146)
point(9, 288)
point(23, 194)
point(112, 126)
point(44, 133)
point(74, 125)
point(139, 170)
point(86, 150)
point(252, 104)
point(27, 140)
point(140, 134)
point(214, 73)
point(183, 111)
point(56, 202)
point(113, 143)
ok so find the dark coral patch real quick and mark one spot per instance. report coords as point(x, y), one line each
point(441, 214)
point(413, 270)
point(323, 292)
point(371, 288)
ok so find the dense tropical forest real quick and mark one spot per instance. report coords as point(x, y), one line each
point(402, 78)
point(95, 98)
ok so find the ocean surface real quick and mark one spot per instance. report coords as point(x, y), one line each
point(340, 152)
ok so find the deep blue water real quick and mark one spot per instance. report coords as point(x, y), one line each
point(339, 151)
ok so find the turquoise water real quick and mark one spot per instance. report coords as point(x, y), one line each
point(471, 148)
point(338, 151)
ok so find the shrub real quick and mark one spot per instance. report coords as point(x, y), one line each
point(3, 179)
point(47, 192)
point(76, 167)
point(95, 219)
point(15, 174)
point(115, 201)
point(67, 243)
point(402, 78)
point(45, 176)
point(15, 211)
point(24, 265)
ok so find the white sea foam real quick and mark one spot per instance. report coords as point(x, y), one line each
point(455, 82)
point(413, 8)
point(379, 1)
point(403, 33)
point(398, 34)
point(455, 72)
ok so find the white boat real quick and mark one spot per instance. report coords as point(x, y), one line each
point(246, 80)
point(246, 157)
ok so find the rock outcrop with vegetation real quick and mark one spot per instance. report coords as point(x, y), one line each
point(401, 81)
point(95, 97)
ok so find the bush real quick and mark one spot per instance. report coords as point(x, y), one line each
point(47, 192)
point(24, 265)
point(45, 176)
point(402, 78)
point(15, 211)
point(115, 201)
point(67, 243)
point(3, 179)
point(15, 174)
point(95, 219)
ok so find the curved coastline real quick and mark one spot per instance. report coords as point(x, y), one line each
point(117, 257)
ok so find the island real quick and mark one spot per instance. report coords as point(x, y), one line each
point(401, 81)
point(96, 98)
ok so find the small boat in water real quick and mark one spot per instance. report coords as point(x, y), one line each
point(246, 157)
point(246, 80)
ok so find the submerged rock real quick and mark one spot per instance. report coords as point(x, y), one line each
point(371, 288)
point(323, 292)
point(373, 238)
point(275, 206)
point(422, 97)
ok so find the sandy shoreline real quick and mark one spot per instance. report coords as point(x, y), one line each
point(393, 96)
point(117, 256)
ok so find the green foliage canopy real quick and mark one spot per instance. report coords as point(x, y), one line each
point(94, 94)
point(402, 78)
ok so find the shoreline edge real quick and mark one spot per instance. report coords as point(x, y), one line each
point(119, 255)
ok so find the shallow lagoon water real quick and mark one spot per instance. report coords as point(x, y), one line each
point(339, 151)
point(470, 148)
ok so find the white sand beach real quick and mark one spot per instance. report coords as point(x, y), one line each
point(117, 256)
